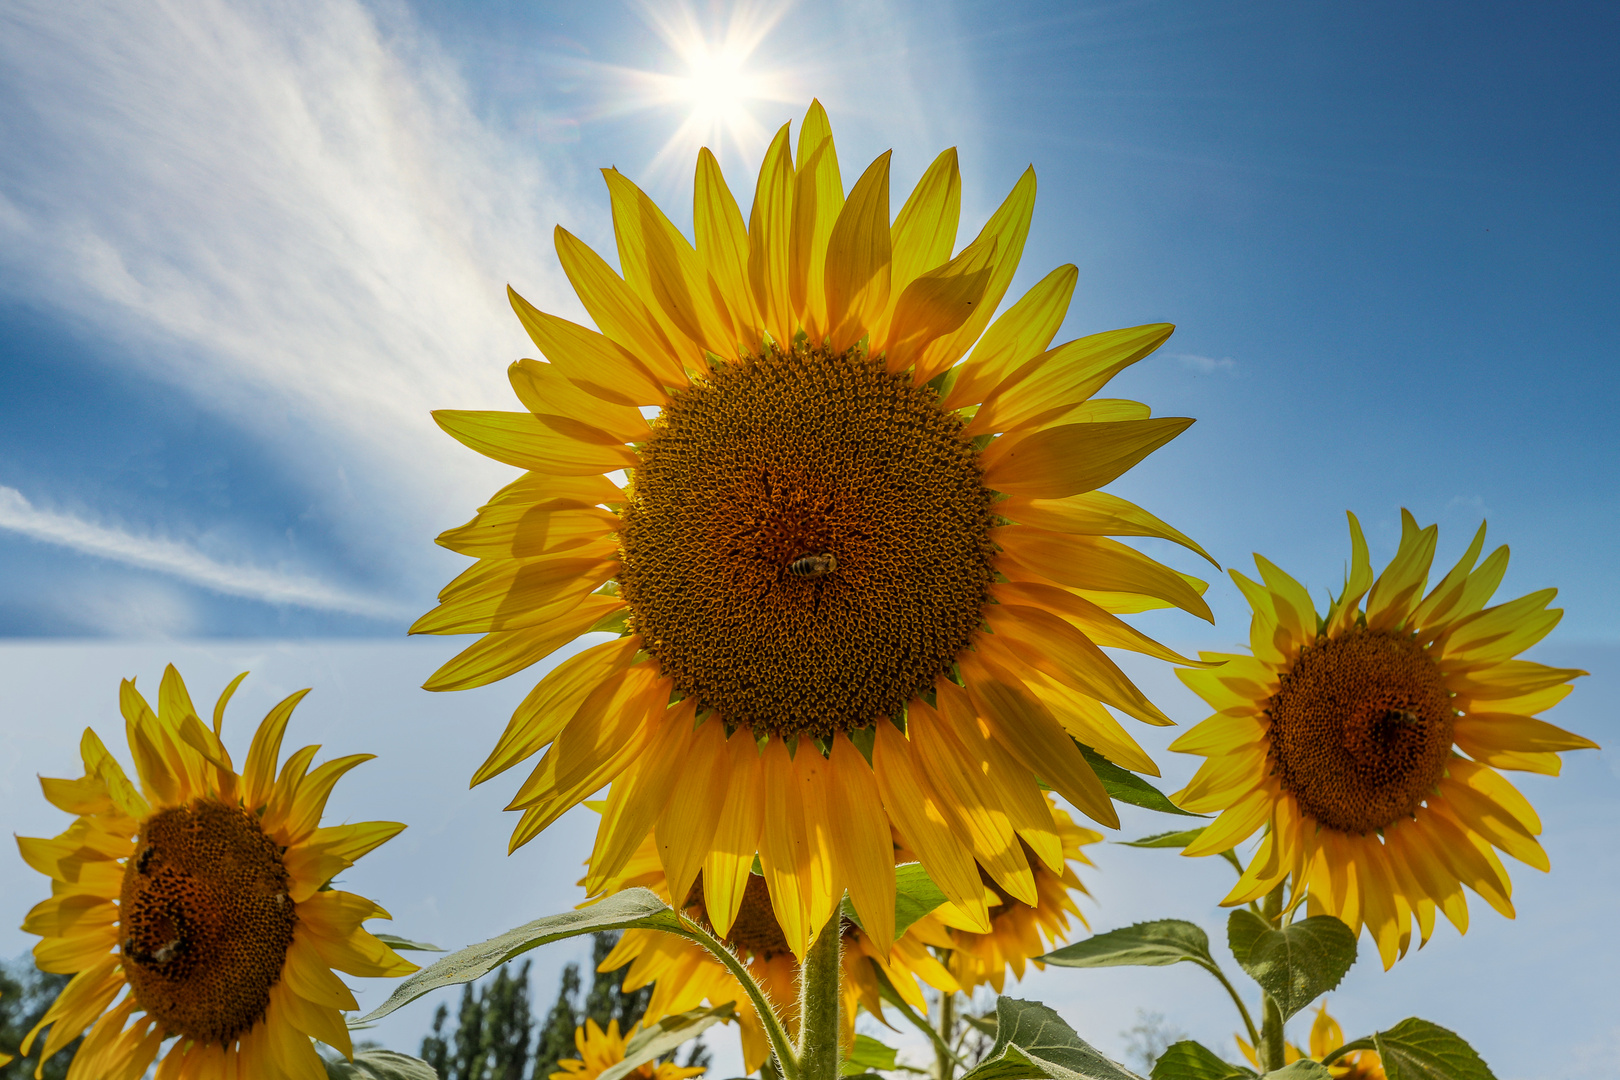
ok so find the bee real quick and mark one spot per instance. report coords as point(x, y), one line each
point(144, 859)
point(813, 566)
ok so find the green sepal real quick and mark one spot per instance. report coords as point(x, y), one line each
point(1303, 1069)
point(379, 1065)
point(633, 908)
point(1188, 1060)
point(397, 943)
point(1296, 964)
point(1125, 786)
point(915, 895)
point(1034, 1043)
point(1146, 944)
point(868, 1055)
point(1176, 840)
point(665, 1034)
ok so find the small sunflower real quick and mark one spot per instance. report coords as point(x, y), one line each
point(600, 1050)
point(683, 975)
point(1326, 1037)
point(878, 572)
point(1345, 735)
point(200, 902)
point(1019, 932)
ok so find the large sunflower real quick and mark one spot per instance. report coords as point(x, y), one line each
point(1344, 736)
point(1019, 932)
point(200, 902)
point(600, 1050)
point(683, 975)
point(879, 575)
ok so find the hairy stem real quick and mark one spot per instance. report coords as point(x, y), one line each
point(1270, 1050)
point(819, 1001)
point(944, 1060)
point(787, 1062)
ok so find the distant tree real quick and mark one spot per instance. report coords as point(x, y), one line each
point(25, 994)
point(1148, 1039)
point(494, 1037)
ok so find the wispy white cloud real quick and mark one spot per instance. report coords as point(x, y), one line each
point(291, 213)
point(188, 564)
point(1207, 365)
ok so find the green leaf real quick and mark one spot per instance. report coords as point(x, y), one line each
point(1188, 1060)
point(1303, 1069)
point(655, 1040)
point(915, 895)
point(1125, 786)
point(1165, 839)
point(1033, 1043)
point(621, 911)
point(868, 1055)
point(1147, 944)
point(1296, 964)
point(379, 1065)
point(398, 943)
point(1418, 1050)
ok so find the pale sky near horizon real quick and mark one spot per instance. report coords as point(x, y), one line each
point(245, 247)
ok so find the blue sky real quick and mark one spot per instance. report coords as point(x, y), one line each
point(245, 248)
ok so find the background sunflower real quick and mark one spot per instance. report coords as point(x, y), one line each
point(196, 906)
point(1344, 736)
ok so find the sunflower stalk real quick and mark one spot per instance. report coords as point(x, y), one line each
point(1270, 1047)
point(819, 1003)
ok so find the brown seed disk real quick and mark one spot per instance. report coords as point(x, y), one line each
point(1361, 729)
point(755, 932)
point(784, 456)
point(205, 920)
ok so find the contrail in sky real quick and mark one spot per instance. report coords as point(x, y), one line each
point(165, 556)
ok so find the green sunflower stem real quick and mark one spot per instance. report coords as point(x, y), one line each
point(819, 1001)
point(944, 1063)
point(1270, 1051)
point(787, 1062)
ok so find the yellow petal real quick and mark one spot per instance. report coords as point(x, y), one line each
point(687, 824)
point(595, 363)
point(1058, 379)
point(1096, 564)
point(928, 823)
point(722, 246)
point(521, 439)
point(862, 848)
point(1020, 334)
point(924, 232)
point(770, 226)
point(859, 255)
point(258, 775)
point(818, 196)
point(497, 655)
point(553, 702)
point(570, 409)
point(1005, 232)
point(736, 835)
point(1398, 588)
point(617, 311)
point(1072, 458)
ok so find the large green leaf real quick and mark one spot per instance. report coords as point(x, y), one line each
point(1147, 944)
point(1164, 840)
point(1033, 1043)
point(1419, 1050)
point(915, 895)
point(1296, 964)
point(398, 944)
point(1188, 1060)
point(657, 1039)
point(1125, 786)
point(379, 1065)
point(622, 911)
point(1303, 1069)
